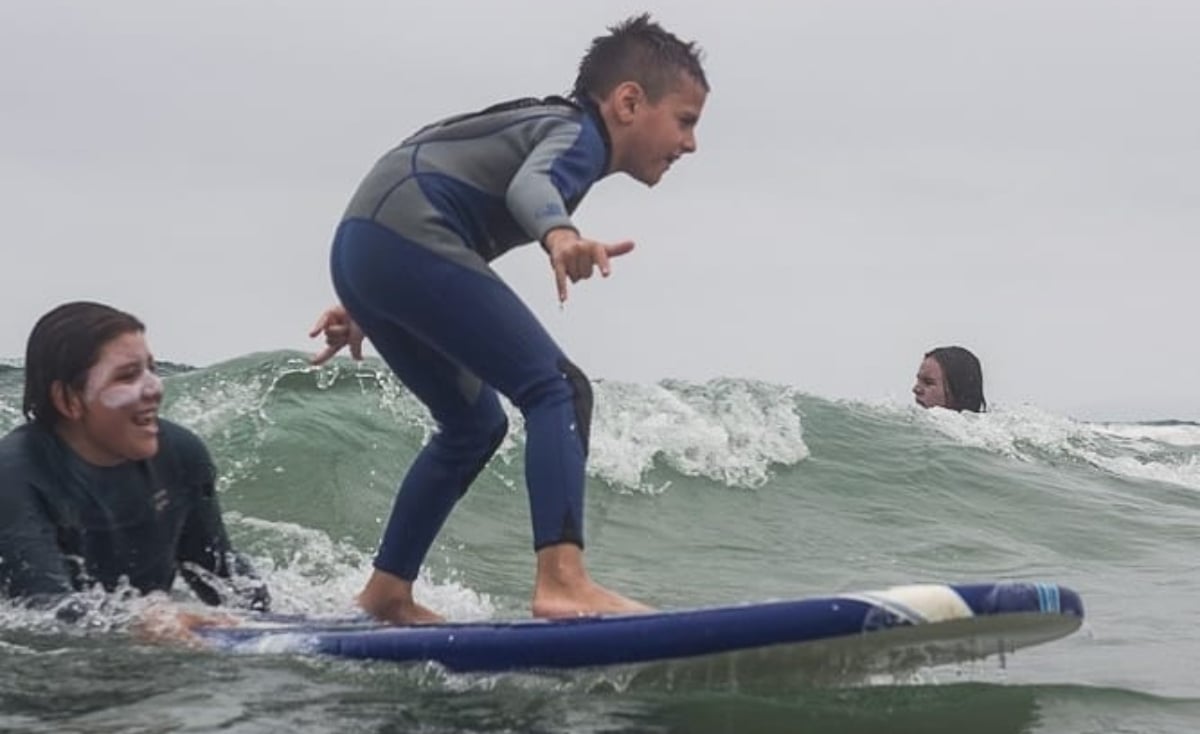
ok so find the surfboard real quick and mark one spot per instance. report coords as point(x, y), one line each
point(891, 630)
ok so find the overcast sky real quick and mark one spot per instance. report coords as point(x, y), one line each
point(874, 178)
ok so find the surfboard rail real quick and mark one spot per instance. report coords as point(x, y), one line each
point(902, 627)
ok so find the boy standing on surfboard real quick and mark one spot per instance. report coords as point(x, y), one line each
point(410, 268)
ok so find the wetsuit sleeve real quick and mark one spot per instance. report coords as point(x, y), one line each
point(560, 168)
point(204, 550)
point(32, 565)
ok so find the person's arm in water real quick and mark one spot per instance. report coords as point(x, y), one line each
point(32, 567)
point(209, 564)
point(35, 573)
point(206, 559)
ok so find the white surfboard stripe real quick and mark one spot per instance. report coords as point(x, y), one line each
point(918, 603)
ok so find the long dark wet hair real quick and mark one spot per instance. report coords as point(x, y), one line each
point(963, 376)
point(62, 347)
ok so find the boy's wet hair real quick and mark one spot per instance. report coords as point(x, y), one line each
point(63, 346)
point(964, 378)
point(639, 50)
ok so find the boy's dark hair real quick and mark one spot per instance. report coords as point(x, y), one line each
point(62, 347)
point(963, 376)
point(639, 50)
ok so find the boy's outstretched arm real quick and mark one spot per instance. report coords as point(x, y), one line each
point(560, 169)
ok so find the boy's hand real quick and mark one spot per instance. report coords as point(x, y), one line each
point(573, 257)
point(340, 330)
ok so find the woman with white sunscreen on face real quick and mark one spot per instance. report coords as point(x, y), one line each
point(96, 488)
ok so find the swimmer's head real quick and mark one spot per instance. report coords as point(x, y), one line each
point(90, 377)
point(950, 377)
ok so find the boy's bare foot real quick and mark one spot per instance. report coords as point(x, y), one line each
point(586, 600)
point(389, 599)
point(564, 589)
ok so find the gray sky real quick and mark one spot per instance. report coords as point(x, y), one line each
point(875, 178)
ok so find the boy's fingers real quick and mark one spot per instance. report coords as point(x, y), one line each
point(321, 322)
point(602, 261)
point(560, 278)
point(618, 249)
point(583, 266)
point(325, 354)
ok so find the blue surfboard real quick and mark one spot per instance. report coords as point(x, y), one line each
point(890, 630)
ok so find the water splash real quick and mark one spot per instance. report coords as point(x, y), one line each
point(1164, 454)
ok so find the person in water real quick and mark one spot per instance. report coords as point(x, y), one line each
point(950, 377)
point(96, 488)
point(410, 267)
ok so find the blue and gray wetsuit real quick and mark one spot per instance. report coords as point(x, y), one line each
point(410, 264)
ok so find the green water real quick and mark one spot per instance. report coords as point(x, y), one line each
point(698, 494)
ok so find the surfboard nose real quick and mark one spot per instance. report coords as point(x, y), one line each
point(1021, 597)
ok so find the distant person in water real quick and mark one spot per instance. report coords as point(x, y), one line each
point(97, 490)
point(950, 377)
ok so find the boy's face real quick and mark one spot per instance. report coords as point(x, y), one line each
point(663, 131)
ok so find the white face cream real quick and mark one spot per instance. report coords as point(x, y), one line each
point(148, 386)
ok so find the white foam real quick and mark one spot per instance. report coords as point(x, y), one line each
point(10, 417)
point(1185, 472)
point(309, 573)
point(102, 611)
point(1180, 434)
point(729, 431)
point(1028, 433)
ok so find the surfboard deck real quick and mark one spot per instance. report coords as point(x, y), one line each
point(891, 630)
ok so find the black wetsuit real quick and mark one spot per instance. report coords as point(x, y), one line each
point(66, 525)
